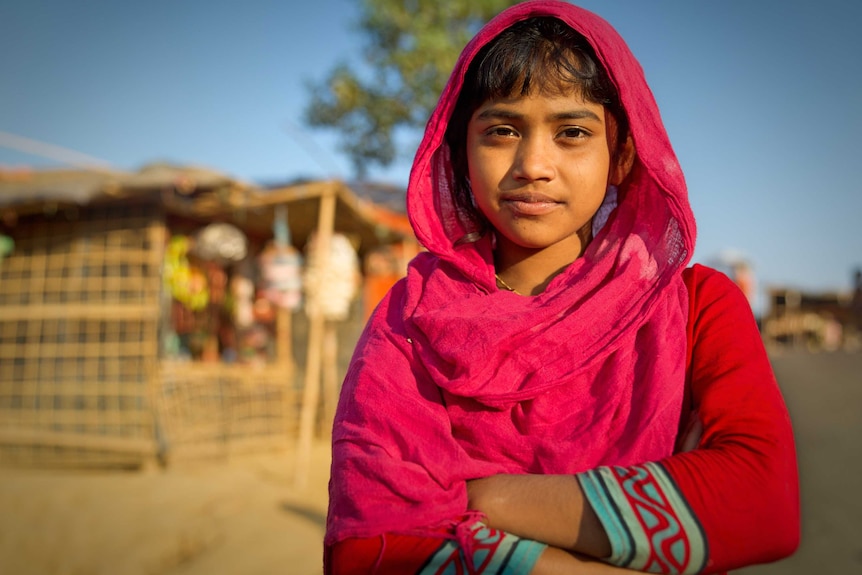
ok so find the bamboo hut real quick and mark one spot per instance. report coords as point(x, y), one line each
point(92, 369)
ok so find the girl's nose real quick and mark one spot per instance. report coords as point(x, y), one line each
point(533, 161)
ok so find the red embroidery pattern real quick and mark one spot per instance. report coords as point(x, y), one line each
point(667, 538)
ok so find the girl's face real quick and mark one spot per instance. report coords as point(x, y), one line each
point(539, 166)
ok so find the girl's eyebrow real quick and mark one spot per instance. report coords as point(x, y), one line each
point(576, 115)
point(502, 114)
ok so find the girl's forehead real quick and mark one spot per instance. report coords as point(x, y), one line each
point(550, 89)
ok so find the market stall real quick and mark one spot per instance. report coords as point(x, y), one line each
point(155, 315)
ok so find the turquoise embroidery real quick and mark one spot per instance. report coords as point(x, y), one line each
point(649, 524)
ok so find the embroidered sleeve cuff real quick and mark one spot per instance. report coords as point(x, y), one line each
point(491, 552)
point(648, 522)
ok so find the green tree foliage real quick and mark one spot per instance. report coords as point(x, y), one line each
point(411, 47)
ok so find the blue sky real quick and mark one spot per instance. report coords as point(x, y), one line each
point(762, 101)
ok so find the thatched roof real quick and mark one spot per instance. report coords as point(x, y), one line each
point(32, 187)
point(205, 195)
point(366, 221)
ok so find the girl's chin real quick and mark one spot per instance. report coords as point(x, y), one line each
point(535, 243)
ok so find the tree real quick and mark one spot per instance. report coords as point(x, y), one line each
point(411, 47)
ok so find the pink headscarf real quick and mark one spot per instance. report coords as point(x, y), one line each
point(454, 380)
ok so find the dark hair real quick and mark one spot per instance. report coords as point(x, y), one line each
point(540, 52)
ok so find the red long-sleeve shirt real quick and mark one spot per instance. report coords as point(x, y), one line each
point(733, 501)
point(742, 481)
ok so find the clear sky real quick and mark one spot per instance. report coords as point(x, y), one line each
point(762, 100)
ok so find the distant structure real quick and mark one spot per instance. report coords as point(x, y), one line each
point(822, 321)
point(794, 318)
point(856, 300)
point(738, 268)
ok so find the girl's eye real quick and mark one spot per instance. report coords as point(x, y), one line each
point(575, 132)
point(501, 131)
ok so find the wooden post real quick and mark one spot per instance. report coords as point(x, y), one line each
point(311, 388)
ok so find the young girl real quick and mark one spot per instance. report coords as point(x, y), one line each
point(550, 389)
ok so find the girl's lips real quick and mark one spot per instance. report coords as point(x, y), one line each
point(530, 204)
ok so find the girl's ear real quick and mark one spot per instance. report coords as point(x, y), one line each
point(623, 161)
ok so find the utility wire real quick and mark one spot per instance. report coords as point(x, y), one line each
point(50, 151)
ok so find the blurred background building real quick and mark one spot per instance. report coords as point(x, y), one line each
point(158, 315)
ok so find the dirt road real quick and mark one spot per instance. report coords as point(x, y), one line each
point(824, 395)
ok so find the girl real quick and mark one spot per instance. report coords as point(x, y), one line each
point(550, 385)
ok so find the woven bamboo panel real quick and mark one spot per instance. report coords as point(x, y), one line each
point(78, 337)
point(215, 411)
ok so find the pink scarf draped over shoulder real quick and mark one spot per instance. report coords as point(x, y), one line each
point(454, 379)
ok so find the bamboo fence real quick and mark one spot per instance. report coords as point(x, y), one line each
point(81, 380)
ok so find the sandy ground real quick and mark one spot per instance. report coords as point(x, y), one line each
point(245, 516)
